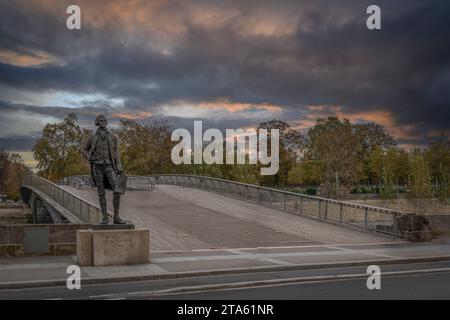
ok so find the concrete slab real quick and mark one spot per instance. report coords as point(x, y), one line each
point(187, 219)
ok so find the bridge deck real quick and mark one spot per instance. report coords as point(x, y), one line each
point(186, 219)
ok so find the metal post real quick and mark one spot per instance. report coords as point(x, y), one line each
point(394, 226)
point(366, 217)
point(284, 201)
point(326, 210)
point(271, 198)
point(320, 206)
point(301, 204)
point(340, 213)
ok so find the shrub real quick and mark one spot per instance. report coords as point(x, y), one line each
point(311, 191)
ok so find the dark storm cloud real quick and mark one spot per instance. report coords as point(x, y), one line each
point(329, 58)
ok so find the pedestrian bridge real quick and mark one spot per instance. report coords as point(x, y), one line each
point(196, 212)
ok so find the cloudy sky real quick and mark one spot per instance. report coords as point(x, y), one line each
point(229, 63)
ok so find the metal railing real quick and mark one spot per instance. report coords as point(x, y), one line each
point(82, 209)
point(343, 213)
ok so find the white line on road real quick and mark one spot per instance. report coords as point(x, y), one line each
point(288, 247)
point(280, 282)
point(102, 296)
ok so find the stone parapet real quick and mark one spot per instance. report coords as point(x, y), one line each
point(113, 247)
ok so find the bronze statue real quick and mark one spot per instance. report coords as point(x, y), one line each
point(101, 150)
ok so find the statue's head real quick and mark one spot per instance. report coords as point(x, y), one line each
point(101, 121)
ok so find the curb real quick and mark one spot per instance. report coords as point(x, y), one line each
point(163, 276)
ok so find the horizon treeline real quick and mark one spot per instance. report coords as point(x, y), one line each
point(333, 156)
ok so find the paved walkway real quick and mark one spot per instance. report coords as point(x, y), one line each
point(187, 219)
point(39, 270)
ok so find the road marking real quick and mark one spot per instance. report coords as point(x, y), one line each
point(287, 247)
point(34, 266)
point(370, 252)
point(286, 281)
point(102, 295)
point(251, 256)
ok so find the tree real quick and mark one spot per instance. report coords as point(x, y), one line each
point(310, 172)
point(145, 148)
point(12, 173)
point(372, 135)
point(419, 184)
point(392, 162)
point(58, 151)
point(291, 147)
point(3, 164)
point(438, 158)
point(387, 187)
point(334, 143)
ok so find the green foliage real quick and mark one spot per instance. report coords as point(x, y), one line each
point(145, 148)
point(336, 155)
point(311, 191)
point(419, 184)
point(387, 190)
point(438, 158)
point(310, 172)
point(58, 151)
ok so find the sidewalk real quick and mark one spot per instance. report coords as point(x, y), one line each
point(21, 272)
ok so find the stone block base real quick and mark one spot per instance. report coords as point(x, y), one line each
point(112, 247)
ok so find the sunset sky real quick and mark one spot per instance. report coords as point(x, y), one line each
point(229, 63)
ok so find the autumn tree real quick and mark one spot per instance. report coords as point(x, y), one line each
point(58, 151)
point(291, 147)
point(371, 138)
point(3, 164)
point(333, 142)
point(12, 174)
point(145, 147)
point(392, 161)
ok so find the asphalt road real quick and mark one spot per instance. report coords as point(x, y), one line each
point(403, 281)
point(427, 286)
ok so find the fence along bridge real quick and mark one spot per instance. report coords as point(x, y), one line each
point(187, 211)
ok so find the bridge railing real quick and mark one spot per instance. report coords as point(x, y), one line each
point(335, 211)
point(84, 210)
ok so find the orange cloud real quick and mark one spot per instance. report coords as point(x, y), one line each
point(381, 117)
point(232, 107)
point(24, 59)
point(133, 115)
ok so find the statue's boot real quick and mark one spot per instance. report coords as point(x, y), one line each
point(102, 201)
point(116, 205)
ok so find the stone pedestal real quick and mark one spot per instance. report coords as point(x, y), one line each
point(113, 247)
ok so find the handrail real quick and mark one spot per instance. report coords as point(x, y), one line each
point(83, 209)
point(346, 213)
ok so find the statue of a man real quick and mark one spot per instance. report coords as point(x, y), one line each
point(101, 150)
